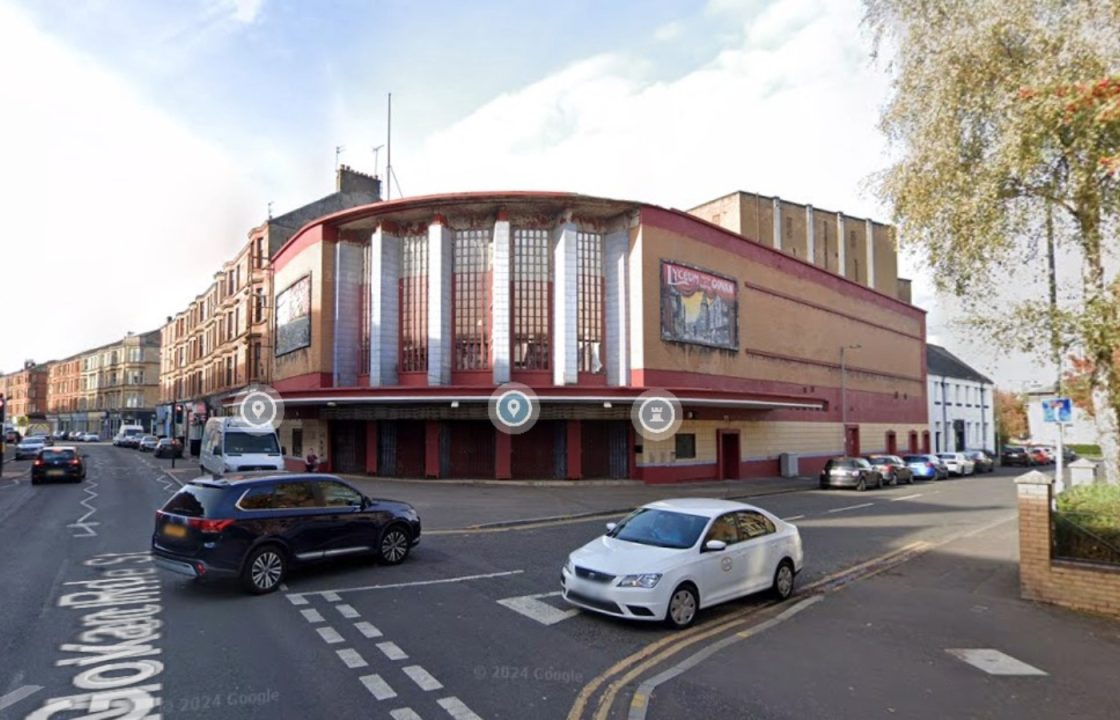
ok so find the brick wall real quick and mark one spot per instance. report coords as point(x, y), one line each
point(1077, 585)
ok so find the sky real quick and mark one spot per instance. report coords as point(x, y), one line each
point(141, 141)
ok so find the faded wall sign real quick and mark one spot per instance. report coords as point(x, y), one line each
point(293, 316)
point(699, 307)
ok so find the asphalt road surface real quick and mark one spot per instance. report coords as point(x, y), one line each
point(471, 626)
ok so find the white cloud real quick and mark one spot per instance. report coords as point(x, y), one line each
point(117, 214)
point(668, 31)
point(246, 11)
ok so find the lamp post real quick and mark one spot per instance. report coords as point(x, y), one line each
point(844, 391)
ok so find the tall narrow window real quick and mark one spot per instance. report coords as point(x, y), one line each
point(531, 300)
point(471, 299)
point(364, 338)
point(589, 325)
point(414, 303)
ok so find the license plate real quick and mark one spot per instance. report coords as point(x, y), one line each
point(55, 473)
point(593, 590)
point(175, 531)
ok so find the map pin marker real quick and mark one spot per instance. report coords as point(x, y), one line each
point(258, 409)
point(514, 406)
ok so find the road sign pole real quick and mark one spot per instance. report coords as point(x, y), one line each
point(1059, 480)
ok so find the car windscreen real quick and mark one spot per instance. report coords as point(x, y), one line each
point(54, 455)
point(947, 456)
point(195, 501)
point(915, 458)
point(660, 528)
point(241, 443)
point(132, 432)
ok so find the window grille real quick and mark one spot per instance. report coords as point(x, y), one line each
point(531, 300)
point(414, 303)
point(471, 299)
point(589, 313)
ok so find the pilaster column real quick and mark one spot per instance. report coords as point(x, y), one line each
point(810, 237)
point(841, 244)
point(439, 302)
point(347, 313)
point(870, 231)
point(565, 298)
point(616, 304)
point(500, 298)
point(384, 304)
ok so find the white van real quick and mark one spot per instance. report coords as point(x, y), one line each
point(128, 434)
point(231, 445)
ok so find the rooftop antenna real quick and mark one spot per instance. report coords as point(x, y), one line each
point(389, 153)
point(269, 209)
point(376, 150)
point(337, 153)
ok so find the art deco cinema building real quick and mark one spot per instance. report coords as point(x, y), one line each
point(396, 321)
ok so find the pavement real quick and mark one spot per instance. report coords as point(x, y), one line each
point(459, 504)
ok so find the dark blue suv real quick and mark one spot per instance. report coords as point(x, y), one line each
point(254, 526)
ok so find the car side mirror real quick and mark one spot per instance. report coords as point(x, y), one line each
point(715, 546)
point(611, 527)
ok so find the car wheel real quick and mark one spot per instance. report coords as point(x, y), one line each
point(394, 546)
point(264, 570)
point(783, 580)
point(683, 604)
point(862, 484)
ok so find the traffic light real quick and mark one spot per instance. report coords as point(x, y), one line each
point(178, 413)
point(2, 403)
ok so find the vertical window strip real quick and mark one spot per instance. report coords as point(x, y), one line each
point(364, 353)
point(589, 330)
point(531, 301)
point(472, 266)
point(414, 304)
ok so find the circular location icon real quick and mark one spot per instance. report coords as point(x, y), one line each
point(514, 408)
point(261, 409)
point(656, 414)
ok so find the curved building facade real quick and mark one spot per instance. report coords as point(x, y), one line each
point(396, 321)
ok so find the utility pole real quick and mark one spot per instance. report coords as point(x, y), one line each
point(1055, 341)
point(389, 152)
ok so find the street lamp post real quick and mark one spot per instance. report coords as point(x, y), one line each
point(844, 392)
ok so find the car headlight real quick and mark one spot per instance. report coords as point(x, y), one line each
point(569, 567)
point(647, 580)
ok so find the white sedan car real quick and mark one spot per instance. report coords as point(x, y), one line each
point(668, 559)
point(958, 463)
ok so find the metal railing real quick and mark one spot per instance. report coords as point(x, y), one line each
point(1086, 536)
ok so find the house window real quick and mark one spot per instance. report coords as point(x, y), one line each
point(589, 325)
point(229, 371)
point(471, 260)
point(531, 300)
point(414, 303)
point(258, 307)
point(686, 446)
point(260, 252)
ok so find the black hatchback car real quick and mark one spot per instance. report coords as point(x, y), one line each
point(254, 526)
point(58, 463)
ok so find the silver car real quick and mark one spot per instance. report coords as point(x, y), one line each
point(30, 447)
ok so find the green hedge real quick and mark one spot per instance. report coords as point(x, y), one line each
point(1087, 523)
point(1086, 450)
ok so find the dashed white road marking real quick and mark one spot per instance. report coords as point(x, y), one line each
point(312, 615)
point(994, 662)
point(422, 677)
point(332, 595)
point(531, 607)
point(352, 658)
point(329, 635)
point(392, 651)
point(368, 630)
point(297, 599)
point(18, 694)
point(907, 497)
point(404, 714)
point(346, 611)
point(457, 709)
point(791, 518)
point(378, 687)
point(851, 507)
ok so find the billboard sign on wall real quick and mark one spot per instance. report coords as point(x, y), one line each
point(699, 307)
point(293, 316)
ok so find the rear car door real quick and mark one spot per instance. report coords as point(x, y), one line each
point(304, 523)
point(761, 549)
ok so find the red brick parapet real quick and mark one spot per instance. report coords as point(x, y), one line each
point(1079, 585)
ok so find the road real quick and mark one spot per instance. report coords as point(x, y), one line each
point(469, 627)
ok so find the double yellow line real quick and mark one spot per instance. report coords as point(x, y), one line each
point(629, 668)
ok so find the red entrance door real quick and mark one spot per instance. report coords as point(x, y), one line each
point(728, 448)
point(892, 443)
point(851, 437)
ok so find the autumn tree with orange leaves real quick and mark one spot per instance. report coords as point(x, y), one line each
point(1005, 122)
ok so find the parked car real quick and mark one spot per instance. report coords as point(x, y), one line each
point(893, 469)
point(1016, 455)
point(957, 463)
point(926, 467)
point(91, 437)
point(62, 462)
point(74, 435)
point(12, 437)
point(851, 472)
point(669, 559)
point(168, 448)
point(255, 526)
point(983, 462)
point(1039, 456)
point(148, 443)
point(29, 447)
